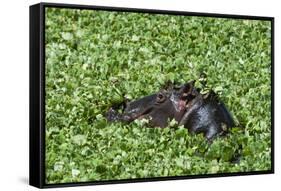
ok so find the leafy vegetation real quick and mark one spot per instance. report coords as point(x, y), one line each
point(95, 58)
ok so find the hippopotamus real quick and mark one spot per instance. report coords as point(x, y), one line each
point(199, 113)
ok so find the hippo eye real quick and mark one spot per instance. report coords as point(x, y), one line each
point(160, 97)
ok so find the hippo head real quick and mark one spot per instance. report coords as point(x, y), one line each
point(199, 113)
point(169, 103)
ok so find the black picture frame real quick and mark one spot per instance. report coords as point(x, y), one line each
point(37, 93)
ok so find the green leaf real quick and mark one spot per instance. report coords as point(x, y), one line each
point(79, 139)
point(66, 36)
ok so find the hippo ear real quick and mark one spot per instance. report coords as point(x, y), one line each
point(192, 83)
point(211, 96)
point(168, 85)
point(193, 90)
point(188, 87)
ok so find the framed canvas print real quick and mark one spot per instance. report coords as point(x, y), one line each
point(124, 95)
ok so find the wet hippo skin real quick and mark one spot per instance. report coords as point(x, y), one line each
point(199, 113)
